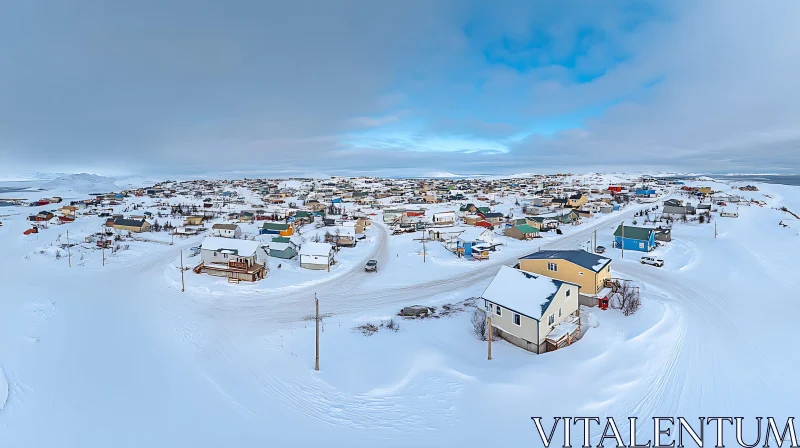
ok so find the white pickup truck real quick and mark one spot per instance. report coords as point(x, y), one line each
point(653, 261)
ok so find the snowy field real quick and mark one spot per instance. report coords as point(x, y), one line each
point(117, 355)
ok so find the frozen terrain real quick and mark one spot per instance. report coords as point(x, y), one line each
point(116, 355)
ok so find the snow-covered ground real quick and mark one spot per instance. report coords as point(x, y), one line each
point(116, 355)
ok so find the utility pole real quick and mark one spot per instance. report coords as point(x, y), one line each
point(424, 249)
point(594, 246)
point(425, 252)
point(489, 317)
point(623, 239)
point(183, 286)
point(715, 228)
point(316, 318)
point(69, 256)
point(104, 252)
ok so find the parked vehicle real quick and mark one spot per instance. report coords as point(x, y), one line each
point(372, 266)
point(653, 261)
point(600, 249)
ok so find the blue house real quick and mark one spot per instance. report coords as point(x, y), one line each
point(646, 193)
point(636, 238)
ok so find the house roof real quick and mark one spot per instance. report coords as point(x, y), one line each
point(579, 257)
point(280, 247)
point(525, 228)
point(275, 226)
point(129, 222)
point(244, 248)
point(318, 249)
point(635, 233)
point(521, 291)
point(225, 227)
point(493, 215)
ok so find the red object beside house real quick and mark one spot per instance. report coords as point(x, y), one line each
point(65, 219)
point(31, 230)
point(486, 224)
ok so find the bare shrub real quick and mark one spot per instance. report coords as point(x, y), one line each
point(626, 298)
point(391, 325)
point(479, 324)
point(367, 329)
point(632, 305)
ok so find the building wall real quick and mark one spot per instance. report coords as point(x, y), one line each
point(567, 304)
point(314, 262)
point(225, 233)
point(589, 281)
point(530, 333)
point(526, 330)
point(144, 228)
point(513, 232)
point(637, 245)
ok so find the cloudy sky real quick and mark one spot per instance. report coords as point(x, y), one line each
point(406, 87)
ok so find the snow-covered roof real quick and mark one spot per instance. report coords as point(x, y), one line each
point(561, 330)
point(472, 234)
point(278, 246)
point(318, 249)
point(245, 248)
point(522, 291)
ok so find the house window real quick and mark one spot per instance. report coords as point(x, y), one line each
point(552, 267)
point(551, 320)
point(641, 245)
point(568, 292)
point(499, 311)
point(559, 312)
point(580, 273)
point(516, 319)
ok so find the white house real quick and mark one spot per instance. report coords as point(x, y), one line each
point(240, 260)
point(316, 255)
point(226, 230)
point(444, 218)
point(534, 312)
point(445, 234)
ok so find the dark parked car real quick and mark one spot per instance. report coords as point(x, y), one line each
point(600, 249)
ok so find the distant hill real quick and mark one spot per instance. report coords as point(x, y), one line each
point(82, 183)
